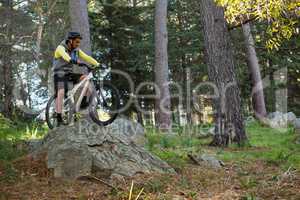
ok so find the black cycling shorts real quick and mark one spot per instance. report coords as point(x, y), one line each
point(65, 82)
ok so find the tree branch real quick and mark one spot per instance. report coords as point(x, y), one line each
point(51, 8)
point(242, 23)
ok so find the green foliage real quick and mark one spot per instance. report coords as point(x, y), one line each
point(10, 175)
point(16, 131)
point(8, 152)
point(271, 145)
point(274, 146)
point(127, 31)
point(174, 158)
point(248, 182)
point(171, 141)
point(4, 122)
point(281, 16)
point(249, 197)
point(172, 148)
point(12, 136)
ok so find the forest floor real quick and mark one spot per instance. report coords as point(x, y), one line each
point(268, 169)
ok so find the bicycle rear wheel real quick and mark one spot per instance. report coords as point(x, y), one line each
point(104, 104)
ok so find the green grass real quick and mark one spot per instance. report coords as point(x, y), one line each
point(171, 141)
point(275, 146)
point(271, 145)
point(12, 134)
point(17, 130)
point(174, 148)
point(8, 153)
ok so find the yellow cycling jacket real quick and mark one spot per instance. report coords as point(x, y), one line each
point(62, 57)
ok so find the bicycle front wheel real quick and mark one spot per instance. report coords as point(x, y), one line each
point(104, 104)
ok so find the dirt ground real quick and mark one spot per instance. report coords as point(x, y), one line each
point(243, 181)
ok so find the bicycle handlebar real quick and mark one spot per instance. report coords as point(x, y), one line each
point(92, 68)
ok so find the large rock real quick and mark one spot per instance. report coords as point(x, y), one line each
point(132, 130)
point(281, 120)
point(296, 123)
point(274, 114)
point(277, 120)
point(211, 161)
point(290, 117)
point(88, 149)
point(206, 160)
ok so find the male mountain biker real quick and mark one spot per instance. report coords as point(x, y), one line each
point(66, 55)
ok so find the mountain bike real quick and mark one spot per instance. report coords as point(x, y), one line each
point(104, 101)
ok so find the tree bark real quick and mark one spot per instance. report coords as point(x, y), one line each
point(272, 88)
point(8, 87)
point(258, 97)
point(163, 102)
point(39, 36)
point(229, 123)
point(80, 22)
point(41, 24)
point(7, 66)
point(188, 97)
point(139, 113)
point(140, 118)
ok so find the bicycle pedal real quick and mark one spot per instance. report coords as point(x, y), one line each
point(77, 116)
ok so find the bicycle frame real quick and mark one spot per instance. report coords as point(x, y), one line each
point(97, 93)
point(87, 84)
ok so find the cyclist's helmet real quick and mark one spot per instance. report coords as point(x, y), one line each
point(74, 35)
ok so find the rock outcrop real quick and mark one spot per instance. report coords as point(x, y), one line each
point(281, 120)
point(296, 123)
point(132, 130)
point(206, 160)
point(88, 149)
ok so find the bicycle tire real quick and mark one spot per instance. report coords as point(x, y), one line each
point(116, 100)
point(49, 123)
point(48, 118)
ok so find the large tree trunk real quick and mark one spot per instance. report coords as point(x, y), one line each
point(272, 87)
point(8, 86)
point(258, 97)
point(80, 22)
point(228, 112)
point(188, 96)
point(41, 25)
point(163, 102)
point(7, 66)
